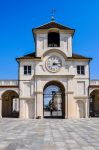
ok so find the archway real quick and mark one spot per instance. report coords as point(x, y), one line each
point(10, 104)
point(94, 103)
point(54, 100)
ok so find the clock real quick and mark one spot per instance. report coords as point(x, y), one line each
point(53, 63)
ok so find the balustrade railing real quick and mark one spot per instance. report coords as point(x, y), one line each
point(15, 82)
point(94, 82)
point(8, 82)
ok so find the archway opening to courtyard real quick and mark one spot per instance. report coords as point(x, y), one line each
point(94, 103)
point(10, 104)
point(54, 100)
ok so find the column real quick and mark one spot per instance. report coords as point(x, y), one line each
point(66, 105)
point(87, 108)
point(22, 109)
point(0, 108)
point(39, 104)
point(35, 104)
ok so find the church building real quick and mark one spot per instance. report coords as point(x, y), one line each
point(53, 81)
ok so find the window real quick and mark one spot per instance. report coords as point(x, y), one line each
point(53, 39)
point(81, 70)
point(27, 70)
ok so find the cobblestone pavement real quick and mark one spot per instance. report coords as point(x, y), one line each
point(49, 134)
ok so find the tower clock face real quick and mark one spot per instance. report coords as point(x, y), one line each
point(53, 63)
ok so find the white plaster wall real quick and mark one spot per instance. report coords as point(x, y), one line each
point(31, 87)
point(77, 91)
point(21, 69)
point(86, 64)
point(69, 68)
point(42, 43)
point(66, 44)
point(27, 108)
point(27, 101)
point(26, 88)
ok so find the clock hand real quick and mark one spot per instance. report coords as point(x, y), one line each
point(57, 63)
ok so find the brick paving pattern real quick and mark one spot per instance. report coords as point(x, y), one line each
point(49, 134)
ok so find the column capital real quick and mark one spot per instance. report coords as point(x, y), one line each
point(0, 108)
point(38, 92)
point(69, 92)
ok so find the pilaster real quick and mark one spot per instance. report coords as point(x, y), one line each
point(66, 105)
point(87, 108)
point(39, 104)
point(0, 108)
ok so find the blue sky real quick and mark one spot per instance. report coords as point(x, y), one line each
point(18, 17)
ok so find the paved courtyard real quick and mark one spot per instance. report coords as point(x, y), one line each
point(52, 134)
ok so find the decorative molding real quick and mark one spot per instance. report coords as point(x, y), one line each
point(26, 98)
point(41, 39)
point(9, 86)
point(93, 86)
point(38, 92)
point(81, 78)
point(70, 92)
point(43, 67)
point(81, 97)
point(66, 41)
point(58, 76)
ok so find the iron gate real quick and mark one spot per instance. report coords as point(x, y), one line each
point(53, 107)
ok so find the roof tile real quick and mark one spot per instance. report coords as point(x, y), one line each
point(53, 25)
point(33, 56)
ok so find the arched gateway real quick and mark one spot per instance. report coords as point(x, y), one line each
point(94, 103)
point(54, 100)
point(10, 104)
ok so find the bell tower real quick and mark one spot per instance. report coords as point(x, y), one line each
point(53, 36)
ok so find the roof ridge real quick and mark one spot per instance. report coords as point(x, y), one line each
point(33, 56)
point(30, 53)
point(53, 23)
point(80, 55)
point(42, 25)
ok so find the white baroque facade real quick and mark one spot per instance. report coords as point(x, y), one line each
point(52, 66)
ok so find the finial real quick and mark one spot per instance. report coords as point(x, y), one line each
point(53, 15)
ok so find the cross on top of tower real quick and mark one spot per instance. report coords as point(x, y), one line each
point(53, 15)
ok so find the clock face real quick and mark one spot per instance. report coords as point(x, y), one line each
point(53, 63)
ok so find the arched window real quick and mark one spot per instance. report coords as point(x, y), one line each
point(53, 39)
